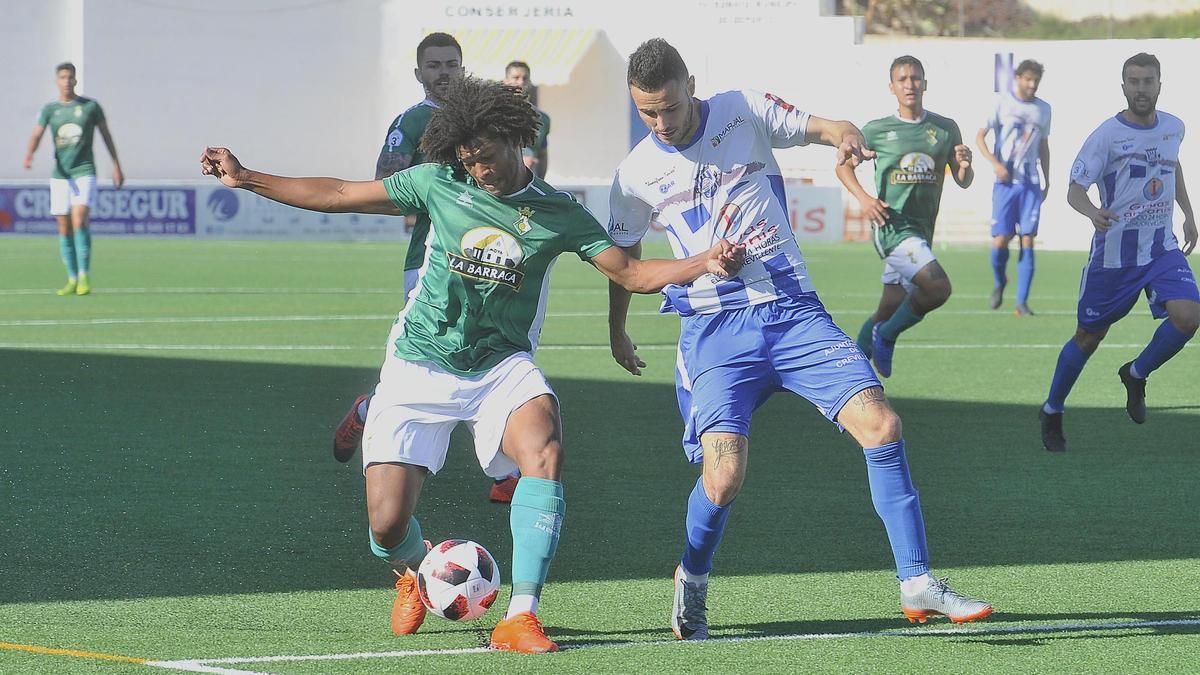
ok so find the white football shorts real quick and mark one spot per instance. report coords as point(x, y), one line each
point(68, 192)
point(417, 404)
point(903, 263)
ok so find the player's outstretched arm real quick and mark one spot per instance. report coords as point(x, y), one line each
point(840, 134)
point(328, 195)
point(34, 141)
point(873, 208)
point(1077, 197)
point(651, 276)
point(624, 351)
point(1189, 221)
point(118, 175)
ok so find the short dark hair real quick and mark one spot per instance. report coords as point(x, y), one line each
point(1029, 65)
point(472, 109)
point(437, 40)
point(655, 63)
point(1142, 59)
point(906, 60)
point(65, 65)
point(518, 64)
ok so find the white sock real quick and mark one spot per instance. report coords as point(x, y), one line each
point(521, 603)
point(1048, 410)
point(1134, 373)
point(915, 584)
point(692, 578)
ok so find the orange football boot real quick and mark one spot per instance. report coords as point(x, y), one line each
point(408, 612)
point(502, 490)
point(522, 633)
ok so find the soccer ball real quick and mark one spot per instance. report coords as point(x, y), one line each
point(458, 580)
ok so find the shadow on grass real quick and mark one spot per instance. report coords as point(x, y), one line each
point(126, 477)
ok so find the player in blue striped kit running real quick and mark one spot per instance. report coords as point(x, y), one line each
point(707, 171)
point(1133, 158)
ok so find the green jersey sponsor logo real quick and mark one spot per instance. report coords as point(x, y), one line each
point(491, 256)
point(914, 167)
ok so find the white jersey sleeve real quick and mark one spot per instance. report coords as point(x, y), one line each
point(629, 217)
point(1092, 159)
point(785, 124)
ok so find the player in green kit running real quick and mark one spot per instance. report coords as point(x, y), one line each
point(73, 121)
point(463, 346)
point(913, 149)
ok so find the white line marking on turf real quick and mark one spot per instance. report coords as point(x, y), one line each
point(150, 347)
point(213, 665)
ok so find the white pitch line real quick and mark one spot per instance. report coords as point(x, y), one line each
point(150, 347)
point(213, 665)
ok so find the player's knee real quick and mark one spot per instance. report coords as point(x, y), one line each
point(1187, 320)
point(1089, 342)
point(722, 487)
point(884, 427)
point(542, 461)
point(388, 530)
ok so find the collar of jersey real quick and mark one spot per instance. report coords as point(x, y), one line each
point(924, 114)
point(696, 137)
point(1131, 125)
point(429, 102)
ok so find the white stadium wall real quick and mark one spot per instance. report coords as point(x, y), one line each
point(308, 88)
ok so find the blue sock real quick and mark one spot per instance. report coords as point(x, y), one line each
point(864, 335)
point(66, 248)
point(536, 519)
point(897, 503)
point(1024, 275)
point(904, 318)
point(1071, 361)
point(361, 410)
point(83, 249)
point(1000, 266)
point(1167, 342)
point(705, 527)
point(408, 553)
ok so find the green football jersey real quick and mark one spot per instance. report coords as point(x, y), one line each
point(482, 296)
point(72, 125)
point(910, 167)
point(404, 137)
point(539, 141)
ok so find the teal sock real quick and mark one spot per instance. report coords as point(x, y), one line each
point(904, 318)
point(536, 518)
point(864, 335)
point(66, 248)
point(83, 249)
point(408, 553)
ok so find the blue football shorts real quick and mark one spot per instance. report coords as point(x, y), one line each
point(730, 362)
point(1107, 294)
point(1016, 208)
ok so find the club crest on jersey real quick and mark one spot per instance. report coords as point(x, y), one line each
point(522, 222)
point(1153, 189)
point(489, 255)
point(1152, 156)
point(707, 181)
point(931, 135)
point(464, 199)
point(915, 167)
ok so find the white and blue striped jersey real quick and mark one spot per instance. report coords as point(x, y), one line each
point(1019, 127)
point(723, 183)
point(1134, 168)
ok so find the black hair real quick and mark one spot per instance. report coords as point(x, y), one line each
point(1145, 60)
point(437, 40)
point(1029, 65)
point(906, 60)
point(65, 65)
point(475, 109)
point(655, 63)
point(518, 64)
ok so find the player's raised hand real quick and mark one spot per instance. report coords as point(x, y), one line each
point(853, 149)
point(726, 259)
point(1103, 219)
point(1189, 235)
point(874, 209)
point(625, 352)
point(222, 165)
point(962, 156)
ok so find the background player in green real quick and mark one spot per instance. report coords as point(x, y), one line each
point(913, 149)
point(537, 156)
point(464, 351)
point(73, 121)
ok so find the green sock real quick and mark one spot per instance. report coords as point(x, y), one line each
point(407, 553)
point(904, 318)
point(864, 335)
point(66, 248)
point(536, 518)
point(83, 249)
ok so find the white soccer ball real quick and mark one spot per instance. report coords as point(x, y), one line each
point(458, 580)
